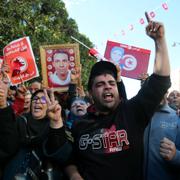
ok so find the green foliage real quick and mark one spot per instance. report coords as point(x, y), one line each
point(45, 22)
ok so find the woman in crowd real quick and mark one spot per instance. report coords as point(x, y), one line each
point(32, 130)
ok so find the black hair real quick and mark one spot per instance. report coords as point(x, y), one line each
point(14, 88)
point(36, 92)
point(105, 71)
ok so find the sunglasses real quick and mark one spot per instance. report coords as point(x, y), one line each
point(42, 99)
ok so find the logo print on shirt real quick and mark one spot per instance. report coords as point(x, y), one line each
point(109, 141)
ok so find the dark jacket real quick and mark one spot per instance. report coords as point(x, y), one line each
point(30, 159)
point(8, 135)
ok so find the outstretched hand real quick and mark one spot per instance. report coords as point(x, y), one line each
point(53, 110)
point(155, 30)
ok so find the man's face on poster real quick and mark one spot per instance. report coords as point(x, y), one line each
point(117, 54)
point(61, 64)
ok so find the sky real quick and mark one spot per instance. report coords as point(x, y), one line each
point(102, 20)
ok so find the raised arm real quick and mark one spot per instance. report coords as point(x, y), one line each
point(56, 146)
point(156, 31)
point(53, 111)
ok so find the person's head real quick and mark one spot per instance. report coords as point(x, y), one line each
point(21, 91)
point(174, 99)
point(38, 105)
point(34, 86)
point(102, 86)
point(12, 93)
point(79, 106)
point(27, 102)
point(61, 64)
point(116, 54)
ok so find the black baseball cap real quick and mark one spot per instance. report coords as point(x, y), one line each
point(102, 67)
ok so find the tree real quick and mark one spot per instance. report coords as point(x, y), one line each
point(45, 22)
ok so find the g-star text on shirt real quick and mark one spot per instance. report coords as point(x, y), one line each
point(112, 141)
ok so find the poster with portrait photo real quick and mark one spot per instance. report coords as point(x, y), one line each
point(132, 60)
point(57, 62)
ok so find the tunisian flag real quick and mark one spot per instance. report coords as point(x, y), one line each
point(132, 60)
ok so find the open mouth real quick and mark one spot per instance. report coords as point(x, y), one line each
point(79, 110)
point(37, 109)
point(108, 96)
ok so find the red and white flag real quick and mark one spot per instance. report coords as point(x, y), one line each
point(133, 60)
point(21, 61)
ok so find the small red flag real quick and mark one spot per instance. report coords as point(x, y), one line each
point(165, 6)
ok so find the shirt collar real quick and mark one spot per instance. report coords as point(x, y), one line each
point(165, 108)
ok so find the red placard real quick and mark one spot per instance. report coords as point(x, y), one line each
point(20, 58)
point(132, 60)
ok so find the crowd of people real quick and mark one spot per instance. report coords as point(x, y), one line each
point(45, 134)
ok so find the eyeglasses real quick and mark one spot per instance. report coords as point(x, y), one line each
point(42, 99)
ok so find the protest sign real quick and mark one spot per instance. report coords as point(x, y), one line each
point(58, 61)
point(19, 56)
point(132, 60)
